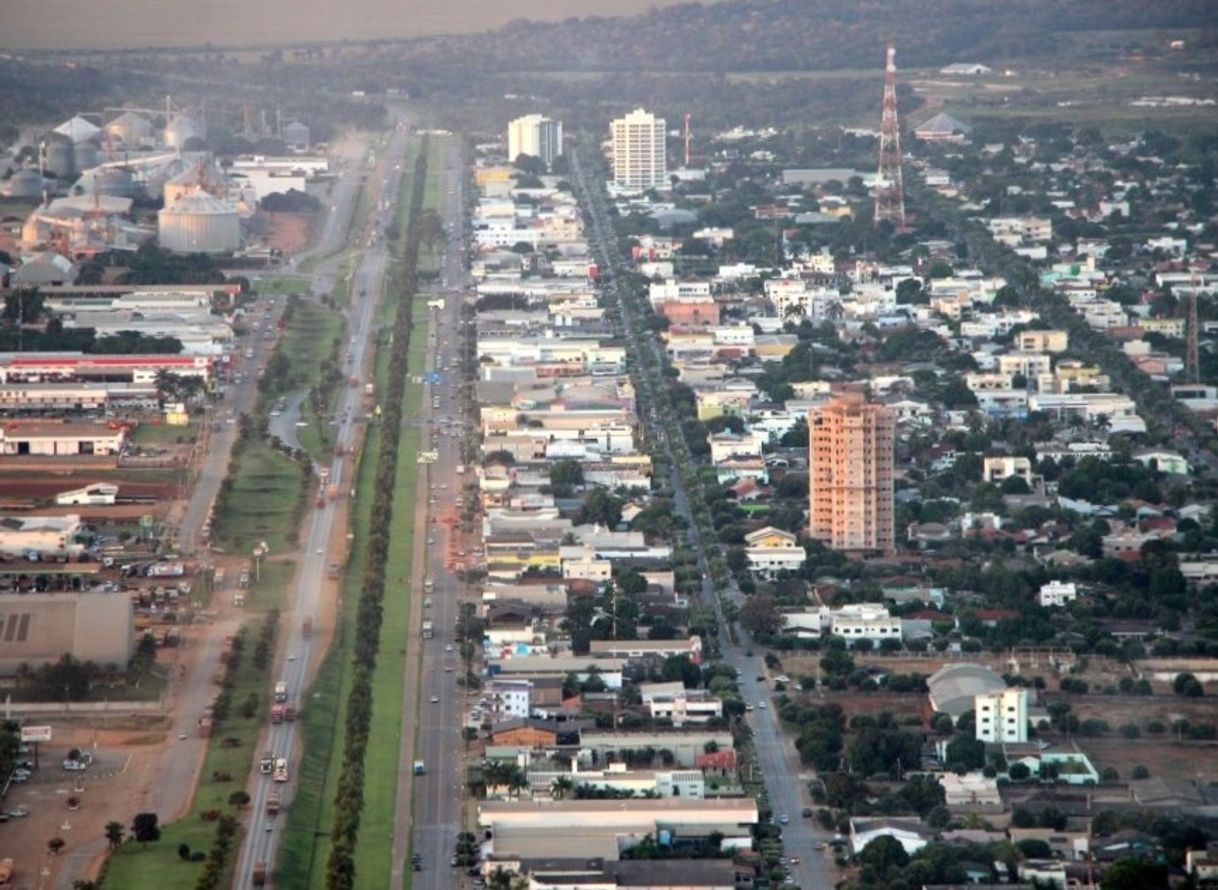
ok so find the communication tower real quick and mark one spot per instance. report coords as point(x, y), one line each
point(889, 188)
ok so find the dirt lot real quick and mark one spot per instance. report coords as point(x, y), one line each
point(287, 231)
point(1187, 762)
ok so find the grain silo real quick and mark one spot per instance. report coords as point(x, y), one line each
point(118, 182)
point(78, 129)
point(199, 223)
point(60, 155)
point(130, 128)
point(182, 128)
point(86, 154)
point(25, 183)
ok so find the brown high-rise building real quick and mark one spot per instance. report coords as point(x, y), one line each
point(850, 447)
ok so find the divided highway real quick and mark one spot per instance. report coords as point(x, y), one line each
point(261, 840)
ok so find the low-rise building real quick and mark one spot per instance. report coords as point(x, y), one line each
point(1001, 717)
point(1057, 593)
point(772, 551)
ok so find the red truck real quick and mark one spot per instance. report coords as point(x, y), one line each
point(277, 713)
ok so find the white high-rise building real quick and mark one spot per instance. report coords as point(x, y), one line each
point(640, 157)
point(535, 135)
point(1002, 717)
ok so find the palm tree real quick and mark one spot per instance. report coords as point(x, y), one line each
point(561, 787)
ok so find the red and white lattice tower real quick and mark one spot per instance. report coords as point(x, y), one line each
point(889, 189)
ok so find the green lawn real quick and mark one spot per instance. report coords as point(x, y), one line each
point(163, 434)
point(308, 341)
point(282, 284)
point(230, 752)
point(263, 504)
point(271, 591)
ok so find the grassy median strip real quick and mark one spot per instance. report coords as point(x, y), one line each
point(351, 790)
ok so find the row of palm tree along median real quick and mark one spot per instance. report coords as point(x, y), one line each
point(349, 795)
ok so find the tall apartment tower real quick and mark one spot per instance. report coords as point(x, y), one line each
point(1001, 717)
point(850, 454)
point(535, 135)
point(640, 158)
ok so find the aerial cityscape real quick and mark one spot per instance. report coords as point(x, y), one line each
point(752, 445)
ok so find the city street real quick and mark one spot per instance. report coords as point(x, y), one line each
point(439, 794)
point(775, 754)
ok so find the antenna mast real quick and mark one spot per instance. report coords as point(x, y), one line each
point(687, 139)
point(889, 188)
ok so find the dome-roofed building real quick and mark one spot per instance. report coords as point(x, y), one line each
point(942, 128)
point(201, 175)
point(182, 128)
point(954, 686)
point(199, 223)
point(119, 182)
point(78, 129)
point(26, 183)
point(296, 136)
point(130, 128)
point(47, 268)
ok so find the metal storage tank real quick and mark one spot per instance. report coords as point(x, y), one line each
point(130, 127)
point(199, 223)
point(25, 183)
point(60, 156)
point(118, 182)
point(86, 155)
point(182, 128)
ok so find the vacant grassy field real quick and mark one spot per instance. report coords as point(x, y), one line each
point(163, 434)
point(226, 768)
point(283, 284)
point(263, 503)
point(271, 591)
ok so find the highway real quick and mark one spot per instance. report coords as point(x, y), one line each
point(261, 840)
point(431, 830)
point(776, 756)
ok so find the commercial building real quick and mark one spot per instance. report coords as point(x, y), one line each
point(1002, 716)
point(40, 537)
point(42, 367)
point(39, 628)
point(535, 135)
point(48, 439)
point(640, 158)
point(850, 455)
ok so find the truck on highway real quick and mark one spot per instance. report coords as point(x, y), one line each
point(277, 713)
point(281, 769)
point(333, 570)
point(281, 691)
point(267, 763)
point(306, 627)
point(428, 630)
point(272, 803)
point(429, 586)
point(259, 876)
point(419, 768)
point(289, 712)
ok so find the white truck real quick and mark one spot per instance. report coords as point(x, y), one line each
point(281, 691)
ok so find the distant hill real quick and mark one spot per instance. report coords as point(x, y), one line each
point(790, 35)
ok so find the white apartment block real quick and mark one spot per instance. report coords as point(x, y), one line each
point(507, 699)
point(1021, 229)
point(864, 621)
point(1057, 593)
point(535, 135)
point(1002, 717)
point(1028, 364)
point(662, 292)
point(1042, 341)
point(640, 158)
point(996, 469)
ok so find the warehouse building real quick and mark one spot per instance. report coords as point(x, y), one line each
point(39, 628)
point(48, 439)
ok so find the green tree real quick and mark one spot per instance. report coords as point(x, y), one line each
point(1135, 874)
point(567, 472)
point(760, 616)
point(114, 834)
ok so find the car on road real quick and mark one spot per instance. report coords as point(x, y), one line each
point(784, 819)
point(448, 647)
point(782, 678)
point(762, 705)
point(448, 668)
point(18, 812)
point(321, 550)
point(435, 699)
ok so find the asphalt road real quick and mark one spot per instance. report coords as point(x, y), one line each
point(438, 795)
point(261, 841)
point(785, 786)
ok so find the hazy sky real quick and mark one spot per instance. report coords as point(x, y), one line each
point(110, 24)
